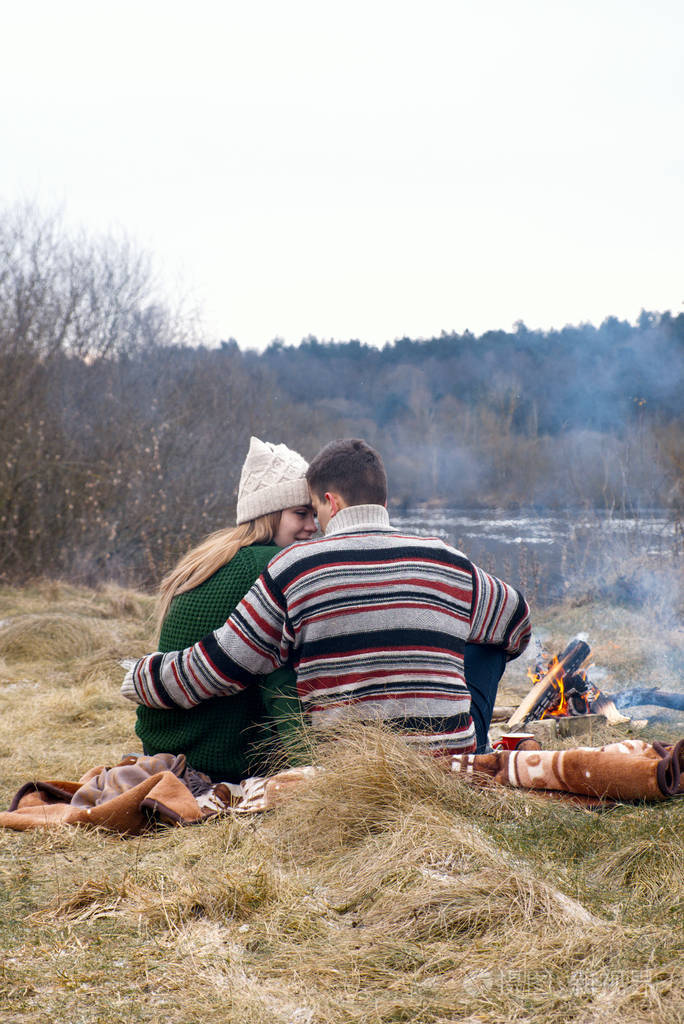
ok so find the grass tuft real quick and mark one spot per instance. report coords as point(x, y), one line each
point(90, 901)
point(651, 869)
point(51, 635)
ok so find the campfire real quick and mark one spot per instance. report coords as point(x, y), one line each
point(562, 689)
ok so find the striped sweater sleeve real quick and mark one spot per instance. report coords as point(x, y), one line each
point(254, 641)
point(499, 614)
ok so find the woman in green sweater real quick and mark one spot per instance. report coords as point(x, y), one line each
point(228, 739)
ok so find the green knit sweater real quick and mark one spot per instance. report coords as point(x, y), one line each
point(228, 738)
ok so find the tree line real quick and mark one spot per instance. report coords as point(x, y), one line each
point(123, 429)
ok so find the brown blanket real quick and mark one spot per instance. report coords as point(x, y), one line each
point(140, 792)
point(630, 770)
point(125, 798)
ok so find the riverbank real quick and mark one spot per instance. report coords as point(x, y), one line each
point(379, 896)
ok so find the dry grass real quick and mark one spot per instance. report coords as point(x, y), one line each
point(383, 892)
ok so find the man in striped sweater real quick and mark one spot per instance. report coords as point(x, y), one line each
point(379, 625)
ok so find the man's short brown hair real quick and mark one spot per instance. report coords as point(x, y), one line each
point(350, 468)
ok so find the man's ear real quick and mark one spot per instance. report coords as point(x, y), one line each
point(334, 501)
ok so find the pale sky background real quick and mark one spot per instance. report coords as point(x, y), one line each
point(362, 169)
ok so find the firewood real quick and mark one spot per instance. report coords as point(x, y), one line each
point(546, 690)
point(603, 705)
point(630, 698)
point(502, 712)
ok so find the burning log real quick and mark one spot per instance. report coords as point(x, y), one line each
point(545, 692)
point(562, 690)
point(605, 705)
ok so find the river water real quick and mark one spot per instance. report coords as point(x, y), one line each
point(547, 553)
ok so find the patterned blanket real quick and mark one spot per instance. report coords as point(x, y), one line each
point(630, 770)
point(143, 791)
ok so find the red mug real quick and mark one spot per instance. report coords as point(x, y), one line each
point(512, 740)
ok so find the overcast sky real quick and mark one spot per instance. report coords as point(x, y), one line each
point(363, 169)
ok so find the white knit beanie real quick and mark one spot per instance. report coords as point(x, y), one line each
point(272, 479)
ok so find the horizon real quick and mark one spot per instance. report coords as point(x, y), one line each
point(519, 325)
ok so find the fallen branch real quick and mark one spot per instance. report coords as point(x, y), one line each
point(630, 698)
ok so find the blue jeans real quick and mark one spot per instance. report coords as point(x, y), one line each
point(484, 667)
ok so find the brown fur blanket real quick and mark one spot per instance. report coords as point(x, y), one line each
point(630, 770)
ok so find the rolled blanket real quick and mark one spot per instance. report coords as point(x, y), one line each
point(630, 770)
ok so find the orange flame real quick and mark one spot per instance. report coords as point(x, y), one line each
point(560, 708)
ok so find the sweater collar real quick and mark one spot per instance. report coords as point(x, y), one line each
point(359, 517)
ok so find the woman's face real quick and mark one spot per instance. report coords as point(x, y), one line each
point(295, 524)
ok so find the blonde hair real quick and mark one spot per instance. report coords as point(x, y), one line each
point(211, 554)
